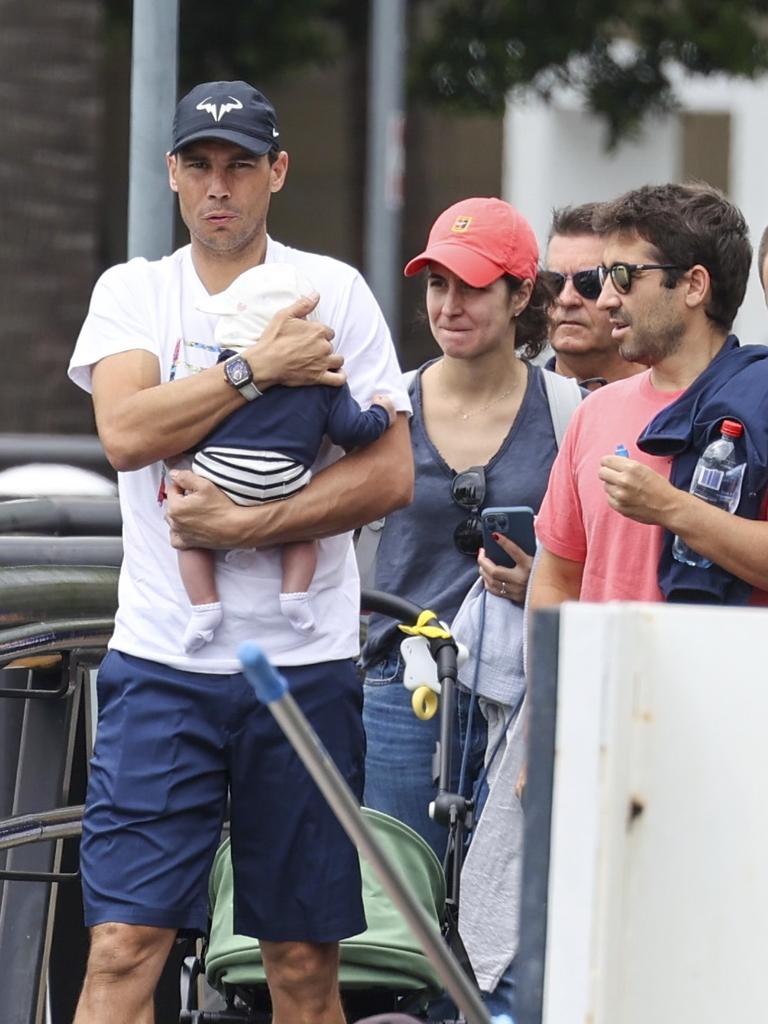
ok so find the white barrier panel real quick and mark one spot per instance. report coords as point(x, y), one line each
point(658, 881)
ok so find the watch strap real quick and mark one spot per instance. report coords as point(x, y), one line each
point(249, 391)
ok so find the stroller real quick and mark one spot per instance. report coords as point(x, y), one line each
point(385, 968)
point(381, 970)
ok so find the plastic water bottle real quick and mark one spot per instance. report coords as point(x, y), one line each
point(717, 479)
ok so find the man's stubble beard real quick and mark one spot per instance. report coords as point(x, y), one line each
point(224, 243)
point(651, 347)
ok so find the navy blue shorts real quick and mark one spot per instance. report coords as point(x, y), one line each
point(170, 746)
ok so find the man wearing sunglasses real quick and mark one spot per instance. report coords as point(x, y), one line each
point(674, 270)
point(581, 333)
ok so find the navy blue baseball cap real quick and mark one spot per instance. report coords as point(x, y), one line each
point(232, 111)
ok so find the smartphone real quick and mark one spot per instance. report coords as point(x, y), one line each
point(516, 524)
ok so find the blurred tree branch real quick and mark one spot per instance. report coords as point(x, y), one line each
point(469, 54)
point(617, 57)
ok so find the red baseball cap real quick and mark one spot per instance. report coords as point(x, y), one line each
point(479, 240)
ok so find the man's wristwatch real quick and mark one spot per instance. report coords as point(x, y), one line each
point(239, 374)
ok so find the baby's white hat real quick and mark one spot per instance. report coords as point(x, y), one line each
point(253, 298)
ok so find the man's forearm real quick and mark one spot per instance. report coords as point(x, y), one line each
point(740, 546)
point(363, 486)
point(142, 420)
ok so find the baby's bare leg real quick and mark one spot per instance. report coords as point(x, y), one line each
point(197, 567)
point(299, 564)
point(299, 561)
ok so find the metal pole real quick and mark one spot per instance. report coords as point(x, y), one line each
point(272, 689)
point(153, 98)
point(385, 154)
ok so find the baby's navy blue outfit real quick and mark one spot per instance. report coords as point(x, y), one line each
point(264, 450)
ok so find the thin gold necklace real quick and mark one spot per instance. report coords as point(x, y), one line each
point(476, 412)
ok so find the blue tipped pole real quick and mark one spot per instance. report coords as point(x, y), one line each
point(272, 689)
point(268, 683)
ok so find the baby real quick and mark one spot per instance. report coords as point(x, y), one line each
point(264, 450)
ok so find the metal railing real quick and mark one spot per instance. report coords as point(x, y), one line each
point(54, 625)
point(68, 516)
point(81, 450)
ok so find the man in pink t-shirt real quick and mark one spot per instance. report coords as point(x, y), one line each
point(675, 264)
point(576, 522)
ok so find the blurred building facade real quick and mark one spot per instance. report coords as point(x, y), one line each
point(65, 91)
point(556, 155)
point(65, 88)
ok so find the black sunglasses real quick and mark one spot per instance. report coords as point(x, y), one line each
point(621, 274)
point(468, 491)
point(586, 282)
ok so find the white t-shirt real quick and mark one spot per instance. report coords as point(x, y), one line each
point(153, 306)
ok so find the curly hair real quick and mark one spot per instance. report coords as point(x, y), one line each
point(533, 324)
point(688, 224)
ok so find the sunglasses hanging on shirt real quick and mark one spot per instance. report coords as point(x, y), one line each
point(468, 491)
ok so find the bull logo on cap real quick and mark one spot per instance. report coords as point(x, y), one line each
point(461, 224)
point(218, 112)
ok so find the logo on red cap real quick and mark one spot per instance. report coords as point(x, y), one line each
point(461, 224)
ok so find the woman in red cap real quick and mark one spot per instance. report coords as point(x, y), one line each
point(482, 436)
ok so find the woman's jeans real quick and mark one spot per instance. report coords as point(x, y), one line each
point(400, 749)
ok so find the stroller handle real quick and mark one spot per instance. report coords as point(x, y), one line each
point(443, 648)
point(389, 604)
point(448, 808)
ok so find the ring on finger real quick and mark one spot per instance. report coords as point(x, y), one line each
point(503, 588)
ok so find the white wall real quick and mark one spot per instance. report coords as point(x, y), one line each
point(660, 916)
point(555, 155)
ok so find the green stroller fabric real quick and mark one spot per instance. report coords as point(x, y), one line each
point(385, 955)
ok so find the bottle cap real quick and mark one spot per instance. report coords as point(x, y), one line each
point(731, 428)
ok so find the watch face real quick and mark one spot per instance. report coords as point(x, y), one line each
point(238, 371)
